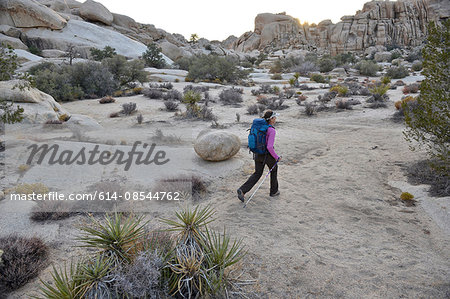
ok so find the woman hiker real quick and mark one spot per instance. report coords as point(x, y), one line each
point(269, 159)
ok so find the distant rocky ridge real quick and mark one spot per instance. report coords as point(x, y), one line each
point(379, 23)
point(53, 26)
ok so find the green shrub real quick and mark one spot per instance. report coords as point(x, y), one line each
point(397, 72)
point(125, 72)
point(72, 82)
point(386, 80)
point(215, 69)
point(34, 50)
point(153, 57)
point(367, 68)
point(344, 58)
point(406, 196)
point(8, 63)
point(99, 55)
point(428, 122)
point(318, 78)
point(326, 64)
point(417, 66)
point(340, 89)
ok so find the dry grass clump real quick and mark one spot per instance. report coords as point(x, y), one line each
point(106, 100)
point(192, 186)
point(343, 104)
point(310, 109)
point(22, 259)
point(230, 96)
point(51, 211)
point(171, 105)
point(255, 109)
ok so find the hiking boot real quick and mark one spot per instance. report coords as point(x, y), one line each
point(240, 195)
point(275, 194)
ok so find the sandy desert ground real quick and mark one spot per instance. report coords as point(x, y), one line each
point(338, 229)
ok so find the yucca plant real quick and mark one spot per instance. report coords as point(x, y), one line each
point(191, 224)
point(117, 237)
point(67, 283)
point(95, 277)
point(188, 276)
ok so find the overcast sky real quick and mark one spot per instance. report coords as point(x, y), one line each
point(216, 20)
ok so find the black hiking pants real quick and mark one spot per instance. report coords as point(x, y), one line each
point(260, 161)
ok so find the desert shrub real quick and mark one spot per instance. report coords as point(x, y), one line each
point(344, 58)
point(328, 96)
point(76, 81)
point(306, 68)
point(255, 109)
point(424, 172)
point(195, 185)
point(198, 89)
point(411, 88)
point(230, 97)
point(343, 104)
point(126, 72)
point(166, 85)
point(414, 55)
point(21, 261)
point(63, 117)
point(326, 64)
point(139, 118)
point(406, 196)
point(428, 122)
point(206, 113)
point(153, 57)
point(276, 104)
point(193, 110)
point(106, 100)
point(397, 72)
point(128, 108)
point(340, 89)
point(276, 76)
point(183, 63)
point(191, 97)
point(99, 55)
point(310, 109)
point(153, 93)
point(171, 105)
point(289, 93)
point(318, 78)
point(141, 278)
point(395, 54)
point(276, 67)
point(417, 66)
point(8, 63)
point(173, 94)
point(379, 90)
point(368, 68)
point(50, 211)
point(215, 69)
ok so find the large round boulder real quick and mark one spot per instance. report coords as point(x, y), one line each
point(217, 145)
point(97, 12)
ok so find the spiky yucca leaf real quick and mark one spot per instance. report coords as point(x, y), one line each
point(191, 223)
point(67, 283)
point(95, 277)
point(220, 252)
point(116, 237)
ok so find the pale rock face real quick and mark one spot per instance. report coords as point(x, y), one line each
point(94, 11)
point(10, 31)
point(378, 24)
point(172, 51)
point(217, 145)
point(38, 106)
point(83, 36)
point(53, 53)
point(29, 14)
point(382, 56)
point(12, 41)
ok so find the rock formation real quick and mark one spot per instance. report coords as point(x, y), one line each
point(379, 23)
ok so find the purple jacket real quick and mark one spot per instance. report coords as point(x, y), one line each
point(270, 139)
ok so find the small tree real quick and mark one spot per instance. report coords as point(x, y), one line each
point(153, 56)
point(428, 122)
point(99, 55)
point(194, 38)
point(71, 53)
point(8, 66)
